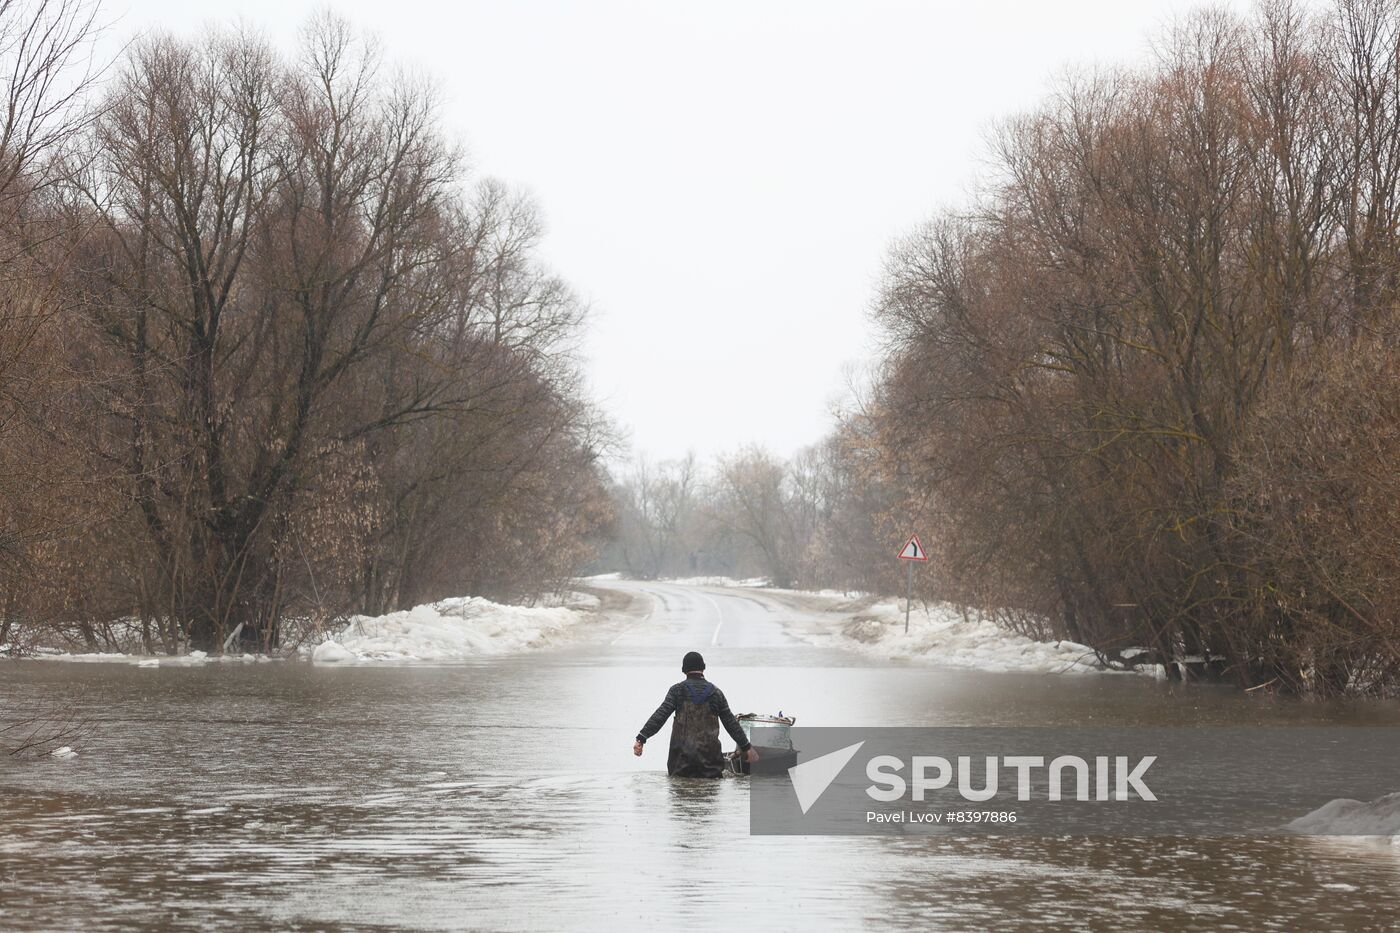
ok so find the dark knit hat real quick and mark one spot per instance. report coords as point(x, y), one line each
point(692, 662)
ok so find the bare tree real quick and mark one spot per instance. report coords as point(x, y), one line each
point(321, 374)
point(45, 71)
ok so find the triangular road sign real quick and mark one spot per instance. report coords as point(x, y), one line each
point(913, 549)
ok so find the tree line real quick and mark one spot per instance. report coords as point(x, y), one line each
point(1144, 393)
point(268, 351)
point(825, 517)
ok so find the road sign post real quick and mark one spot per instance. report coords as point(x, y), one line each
point(909, 602)
point(912, 551)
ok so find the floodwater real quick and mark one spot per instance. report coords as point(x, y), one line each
point(503, 794)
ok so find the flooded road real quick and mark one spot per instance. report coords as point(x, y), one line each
point(503, 794)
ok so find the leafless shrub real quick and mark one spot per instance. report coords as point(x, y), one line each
point(37, 733)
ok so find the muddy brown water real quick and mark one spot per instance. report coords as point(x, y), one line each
point(501, 794)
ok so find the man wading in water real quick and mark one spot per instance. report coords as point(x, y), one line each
point(700, 707)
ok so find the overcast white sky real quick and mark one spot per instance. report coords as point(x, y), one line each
point(721, 179)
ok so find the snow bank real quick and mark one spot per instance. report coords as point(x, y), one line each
point(453, 629)
point(450, 630)
point(941, 634)
point(1376, 821)
point(191, 659)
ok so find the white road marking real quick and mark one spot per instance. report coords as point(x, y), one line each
point(714, 639)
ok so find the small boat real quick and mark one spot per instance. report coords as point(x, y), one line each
point(771, 737)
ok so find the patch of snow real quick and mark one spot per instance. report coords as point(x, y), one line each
point(757, 583)
point(453, 629)
point(193, 659)
point(53, 654)
point(940, 633)
point(572, 600)
point(64, 752)
point(751, 583)
point(1376, 821)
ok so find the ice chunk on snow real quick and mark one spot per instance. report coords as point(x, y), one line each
point(64, 752)
point(453, 629)
point(148, 662)
point(1378, 819)
point(331, 652)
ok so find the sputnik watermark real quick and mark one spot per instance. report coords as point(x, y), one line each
point(1113, 778)
point(1161, 781)
point(889, 784)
